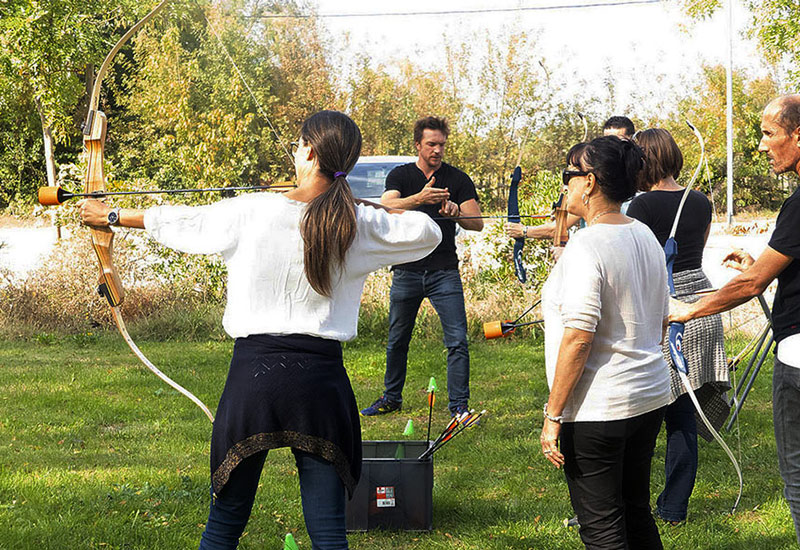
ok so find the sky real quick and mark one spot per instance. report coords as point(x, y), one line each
point(647, 45)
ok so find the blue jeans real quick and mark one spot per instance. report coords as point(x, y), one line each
point(680, 463)
point(443, 289)
point(321, 490)
point(786, 419)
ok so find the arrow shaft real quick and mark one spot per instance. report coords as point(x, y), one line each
point(68, 195)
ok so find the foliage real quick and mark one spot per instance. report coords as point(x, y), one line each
point(20, 142)
point(45, 50)
point(776, 24)
point(189, 121)
point(705, 108)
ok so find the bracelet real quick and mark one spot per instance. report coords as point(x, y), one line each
point(525, 232)
point(556, 419)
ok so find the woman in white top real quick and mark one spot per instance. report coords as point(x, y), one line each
point(605, 307)
point(296, 265)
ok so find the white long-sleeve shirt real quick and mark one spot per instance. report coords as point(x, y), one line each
point(611, 280)
point(258, 236)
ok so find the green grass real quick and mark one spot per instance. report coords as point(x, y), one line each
point(96, 453)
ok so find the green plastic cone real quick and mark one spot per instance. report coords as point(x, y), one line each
point(432, 385)
point(409, 428)
point(289, 543)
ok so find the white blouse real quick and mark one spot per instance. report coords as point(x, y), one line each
point(611, 280)
point(258, 236)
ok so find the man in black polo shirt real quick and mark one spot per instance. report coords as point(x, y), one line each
point(780, 128)
point(442, 191)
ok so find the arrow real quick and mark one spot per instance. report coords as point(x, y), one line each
point(51, 196)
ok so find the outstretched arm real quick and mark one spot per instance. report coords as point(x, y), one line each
point(543, 231)
point(95, 213)
point(753, 281)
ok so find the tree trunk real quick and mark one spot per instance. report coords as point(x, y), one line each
point(49, 154)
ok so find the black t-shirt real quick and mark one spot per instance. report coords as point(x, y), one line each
point(786, 240)
point(408, 179)
point(657, 209)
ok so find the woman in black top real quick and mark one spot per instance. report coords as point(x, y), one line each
point(703, 343)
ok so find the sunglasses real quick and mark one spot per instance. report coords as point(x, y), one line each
point(567, 175)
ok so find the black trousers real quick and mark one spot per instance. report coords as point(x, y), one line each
point(607, 465)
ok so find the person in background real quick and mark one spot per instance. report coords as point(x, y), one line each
point(605, 308)
point(703, 342)
point(296, 266)
point(448, 195)
point(780, 142)
point(619, 126)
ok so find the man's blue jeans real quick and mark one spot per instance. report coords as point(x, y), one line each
point(680, 463)
point(321, 490)
point(443, 289)
point(786, 419)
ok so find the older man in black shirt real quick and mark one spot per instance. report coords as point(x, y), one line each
point(780, 128)
point(442, 191)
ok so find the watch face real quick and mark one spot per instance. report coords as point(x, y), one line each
point(113, 217)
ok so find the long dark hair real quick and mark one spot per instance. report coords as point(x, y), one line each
point(615, 163)
point(329, 224)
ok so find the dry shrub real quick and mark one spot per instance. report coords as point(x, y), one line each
point(60, 296)
point(171, 295)
point(752, 228)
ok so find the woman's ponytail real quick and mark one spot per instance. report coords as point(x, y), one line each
point(329, 224)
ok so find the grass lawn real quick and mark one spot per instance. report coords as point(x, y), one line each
point(97, 453)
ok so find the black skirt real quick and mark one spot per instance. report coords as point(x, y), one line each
point(287, 391)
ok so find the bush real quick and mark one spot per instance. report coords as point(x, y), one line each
point(183, 301)
point(170, 295)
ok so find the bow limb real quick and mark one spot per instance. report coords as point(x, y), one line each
point(101, 73)
point(676, 330)
point(169, 381)
point(585, 126)
point(110, 285)
point(679, 362)
point(514, 217)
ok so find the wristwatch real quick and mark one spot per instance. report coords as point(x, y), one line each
point(113, 216)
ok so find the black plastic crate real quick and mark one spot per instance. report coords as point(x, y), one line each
point(395, 490)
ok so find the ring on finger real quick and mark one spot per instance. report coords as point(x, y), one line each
point(547, 452)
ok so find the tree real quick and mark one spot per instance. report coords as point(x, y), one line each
point(189, 120)
point(45, 49)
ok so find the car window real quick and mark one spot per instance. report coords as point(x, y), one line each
point(369, 179)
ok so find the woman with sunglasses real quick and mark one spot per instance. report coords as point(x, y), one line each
point(605, 308)
point(296, 265)
point(703, 341)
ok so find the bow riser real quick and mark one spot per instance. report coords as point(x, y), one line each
point(514, 217)
point(560, 235)
point(109, 284)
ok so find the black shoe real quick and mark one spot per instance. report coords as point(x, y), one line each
point(382, 405)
